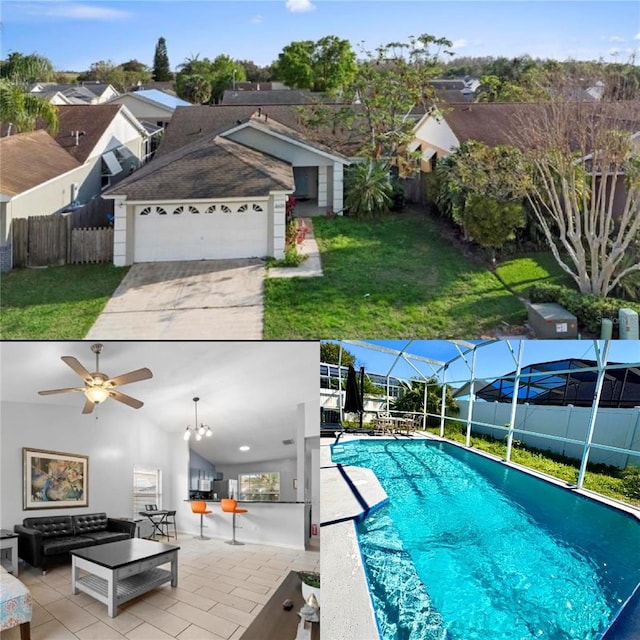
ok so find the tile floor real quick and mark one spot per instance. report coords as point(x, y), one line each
point(221, 589)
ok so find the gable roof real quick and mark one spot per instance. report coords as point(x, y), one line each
point(91, 120)
point(29, 159)
point(213, 167)
point(156, 96)
point(188, 125)
point(271, 96)
point(263, 122)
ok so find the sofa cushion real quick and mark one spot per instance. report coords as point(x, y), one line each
point(89, 522)
point(102, 537)
point(51, 526)
point(55, 546)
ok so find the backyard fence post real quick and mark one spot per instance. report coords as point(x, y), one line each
point(472, 397)
point(444, 399)
point(602, 362)
point(340, 402)
point(514, 399)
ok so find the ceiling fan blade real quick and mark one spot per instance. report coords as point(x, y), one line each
point(88, 406)
point(78, 368)
point(132, 376)
point(128, 400)
point(68, 390)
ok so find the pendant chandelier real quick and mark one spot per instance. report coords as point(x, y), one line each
point(198, 430)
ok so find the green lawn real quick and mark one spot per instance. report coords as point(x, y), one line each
point(56, 303)
point(520, 273)
point(391, 278)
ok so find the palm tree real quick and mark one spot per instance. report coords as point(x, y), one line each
point(23, 110)
point(368, 189)
point(21, 69)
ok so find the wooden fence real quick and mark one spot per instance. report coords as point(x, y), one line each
point(40, 241)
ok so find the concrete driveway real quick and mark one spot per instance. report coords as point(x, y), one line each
point(195, 300)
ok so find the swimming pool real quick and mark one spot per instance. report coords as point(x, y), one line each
point(471, 549)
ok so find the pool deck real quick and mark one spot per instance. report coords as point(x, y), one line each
point(347, 495)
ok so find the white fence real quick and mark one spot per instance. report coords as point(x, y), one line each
point(614, 428)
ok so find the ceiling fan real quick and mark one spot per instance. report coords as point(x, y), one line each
point(98, 386)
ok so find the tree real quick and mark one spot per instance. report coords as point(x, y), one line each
point(368, 189)
point(219, 73)
point(122, 76)
point(223, 73)
point(293, 66)
point(24, 109)
point(161, 70)
point(195, 88)
point(482, 189)
point(330, 354)
point(24, 69)
point(584, 186)
point(412, 398)
point(255, 73)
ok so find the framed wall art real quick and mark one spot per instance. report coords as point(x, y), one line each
point(54, 480)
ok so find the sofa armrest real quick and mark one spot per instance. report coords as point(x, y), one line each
point(126, 526)
point(29, 544)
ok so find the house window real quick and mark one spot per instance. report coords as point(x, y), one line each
point(178, 210)
point(147, 488)
point(146, 211)
point(257, 207)
point(259, 486)
point(225, 209)
point(193, 209)
point(242, 208)
point(160, 211)
point(211, 209)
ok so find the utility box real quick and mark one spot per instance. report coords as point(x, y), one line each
point(628, 324)
point(550, 321)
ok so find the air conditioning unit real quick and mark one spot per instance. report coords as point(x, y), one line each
point(549, 321)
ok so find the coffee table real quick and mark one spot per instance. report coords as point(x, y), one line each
point(120, 571)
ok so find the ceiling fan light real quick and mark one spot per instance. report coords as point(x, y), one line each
point(96, 394)
point(201, 430)
point(187, 434)
point(209, 433)
point(198, 436)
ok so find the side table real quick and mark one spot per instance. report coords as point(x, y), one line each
point(9, 547)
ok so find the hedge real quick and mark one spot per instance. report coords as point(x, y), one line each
point(589, 310)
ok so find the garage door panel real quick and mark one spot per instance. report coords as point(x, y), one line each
point(200, 236)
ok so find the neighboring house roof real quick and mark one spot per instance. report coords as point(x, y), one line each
point(213, 167)
point(278, 96)
point(453, 95)
point(29, 159)
point(158, 97)
point(166, 86)
point(188, 125)
point(448, 84)
point(86, 91)
point(91, 121)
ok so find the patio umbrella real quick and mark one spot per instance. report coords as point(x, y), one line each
point(353, 396)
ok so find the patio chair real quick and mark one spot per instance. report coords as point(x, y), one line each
point(383, 422)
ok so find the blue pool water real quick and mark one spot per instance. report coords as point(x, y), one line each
point(470, 549)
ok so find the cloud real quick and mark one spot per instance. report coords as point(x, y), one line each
point(459, 44)
point(76, 11)
point(615, 39)
point(257, 19)
point(300, 6)
point(637, 36)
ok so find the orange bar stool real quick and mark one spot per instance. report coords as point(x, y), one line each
point(231, 506)
point(201, 508)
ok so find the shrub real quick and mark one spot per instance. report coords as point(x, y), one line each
point(631, 482)
point(589, 310)
point(368, 190)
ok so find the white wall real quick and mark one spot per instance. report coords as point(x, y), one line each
point(614, 427)
point(116, 438)
point(436, 133)
point(120, 131)
point(144, 110)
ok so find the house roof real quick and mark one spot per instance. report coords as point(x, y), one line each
point(92, 119)
point(29, 159)
point(167, 86)
point(268, 97)
point(159, 97)
point(87, 90)
point(212, 167)
point(195, 122)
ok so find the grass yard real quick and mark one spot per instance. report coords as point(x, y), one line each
point(519, 274)
point(56, 303)
point(391, 278)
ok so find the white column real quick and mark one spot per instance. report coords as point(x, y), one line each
point(323, 172)
point(514, 399)
point(120, 253)
point(338, 173)
point(472, 397)
point(277, 224)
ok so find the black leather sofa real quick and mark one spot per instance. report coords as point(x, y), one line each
point(45, 540)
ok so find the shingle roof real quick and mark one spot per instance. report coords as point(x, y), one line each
point(191, 124)
point(278, 96)
point(213, 167)
point(93, 119)
point(29, 159)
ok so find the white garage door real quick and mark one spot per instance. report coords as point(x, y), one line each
point(201, 232)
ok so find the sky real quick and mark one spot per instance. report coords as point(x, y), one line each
point(75, 33)
point(492, 360)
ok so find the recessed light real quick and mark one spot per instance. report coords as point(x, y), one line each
point(244, 447)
